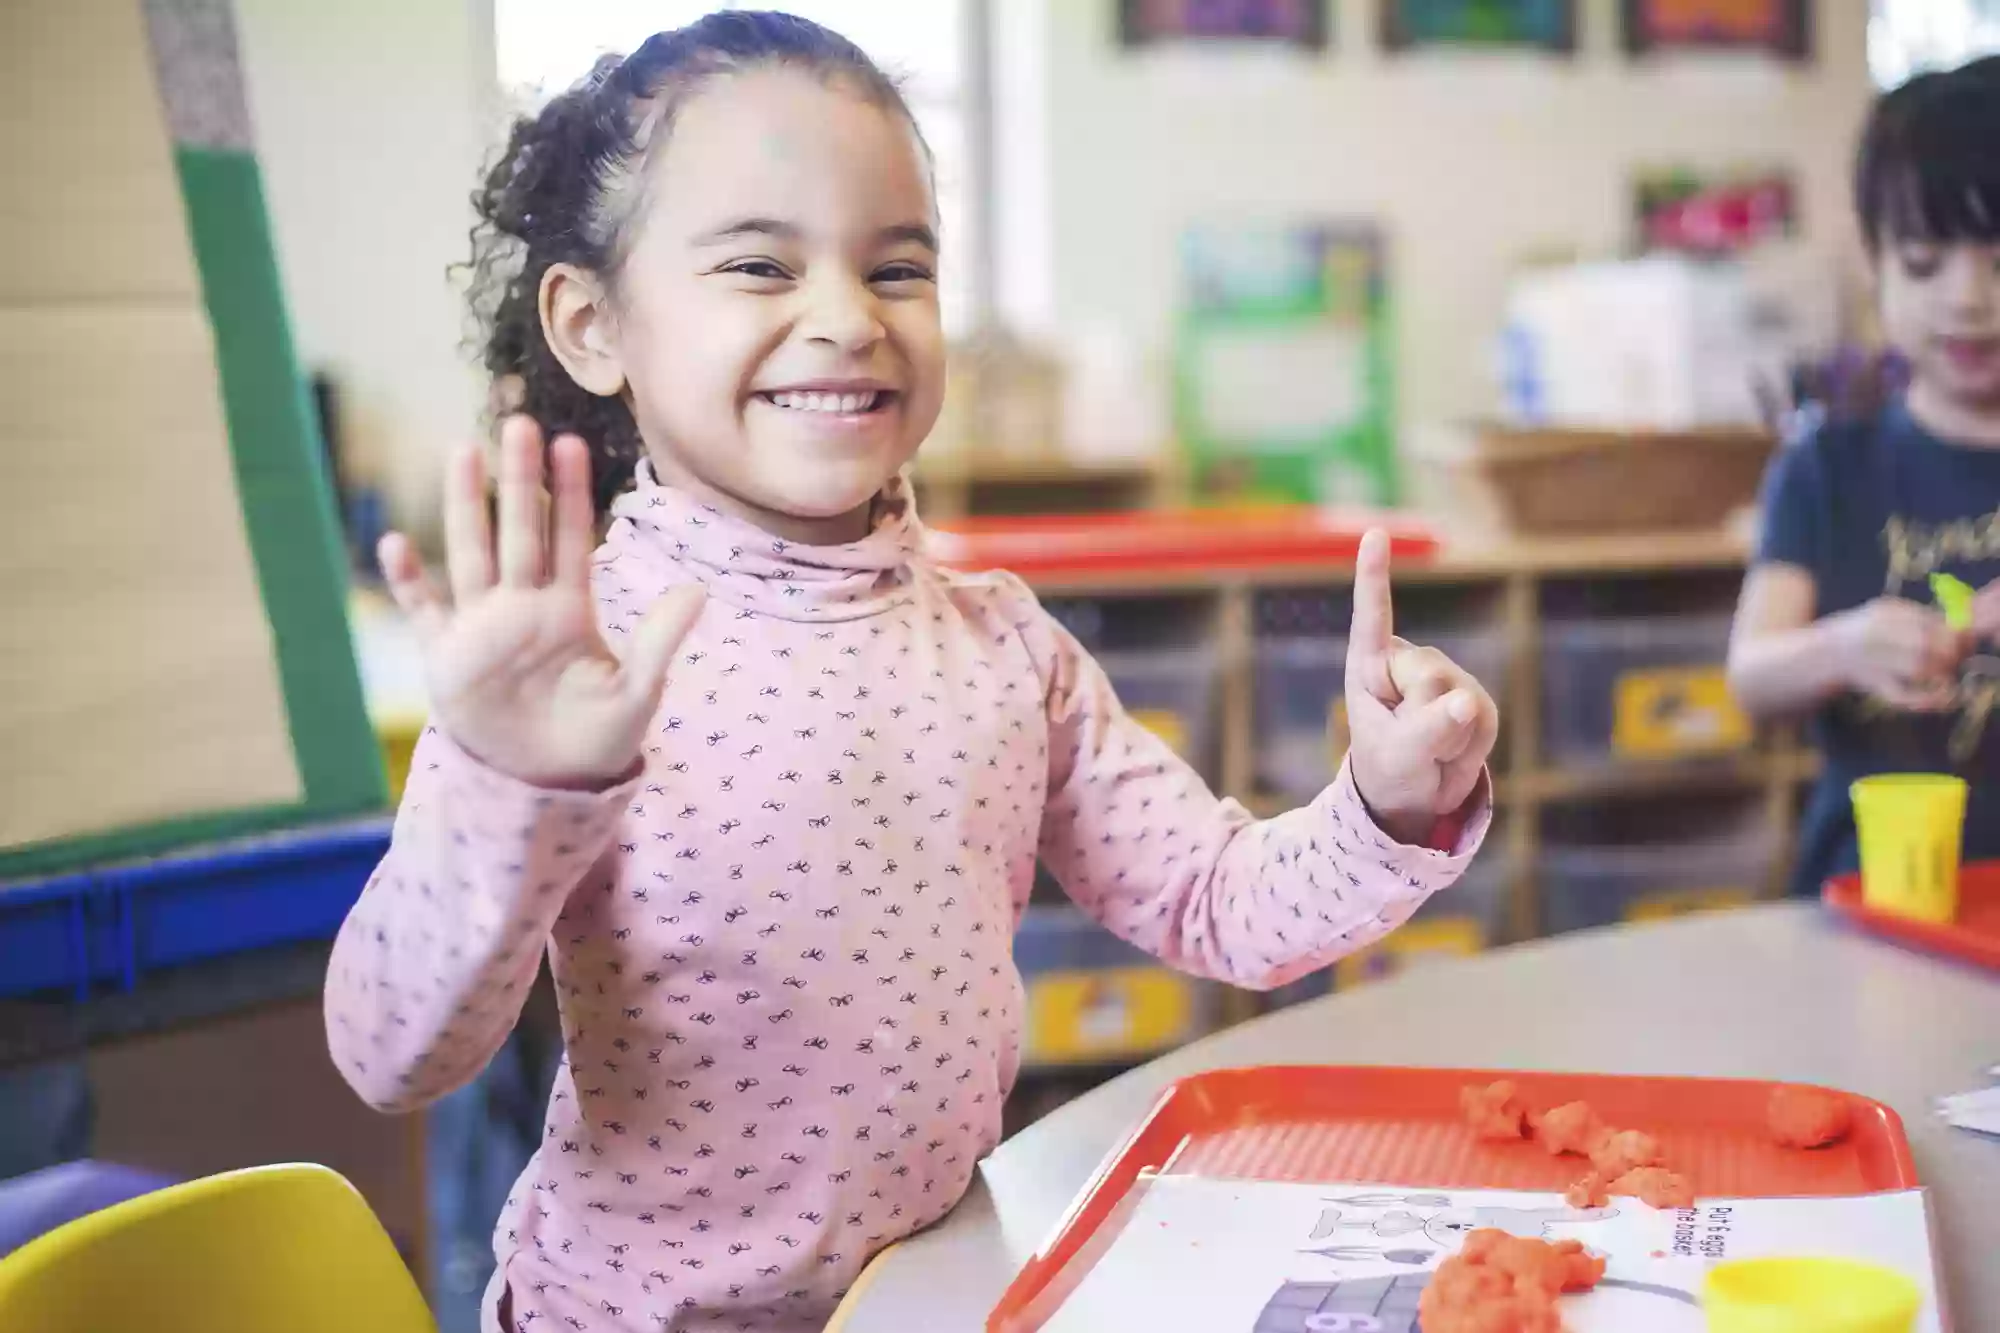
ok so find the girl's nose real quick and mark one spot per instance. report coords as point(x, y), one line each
point(841, 313)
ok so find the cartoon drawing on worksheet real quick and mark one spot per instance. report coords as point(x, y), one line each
point(1446, 1225)
point(1373, 1301)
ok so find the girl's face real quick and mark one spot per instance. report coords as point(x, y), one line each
point(1941, 309)
point(776, 318)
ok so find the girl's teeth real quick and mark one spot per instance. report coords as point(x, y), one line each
point(825, 402)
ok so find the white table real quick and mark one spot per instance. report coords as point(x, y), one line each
point(1777, 992)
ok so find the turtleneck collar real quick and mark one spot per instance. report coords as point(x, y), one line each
point(749, 568)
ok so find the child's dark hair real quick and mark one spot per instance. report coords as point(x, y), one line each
point(1929, 164)
point(570, 181)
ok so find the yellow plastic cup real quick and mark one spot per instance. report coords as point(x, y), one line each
point(1910, 826)
point(1808, 1296)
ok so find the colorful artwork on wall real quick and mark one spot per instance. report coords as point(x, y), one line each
point(1301, 23)
point(1548, 25)
point(1776, 27)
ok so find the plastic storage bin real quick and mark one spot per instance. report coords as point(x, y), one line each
point(1465, 919)
point(1651, 688)
point(1093, 998)
point(115, 923)
point(1626, 875)
point(1171, 692)
point(1301, 719)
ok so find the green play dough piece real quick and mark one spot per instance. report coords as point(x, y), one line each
point(1954, 598)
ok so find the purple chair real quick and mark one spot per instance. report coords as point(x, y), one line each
point(43, 1200)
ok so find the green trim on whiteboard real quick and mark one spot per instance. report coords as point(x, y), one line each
point(281, 476)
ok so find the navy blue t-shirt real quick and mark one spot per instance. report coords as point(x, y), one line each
point(1873, 508)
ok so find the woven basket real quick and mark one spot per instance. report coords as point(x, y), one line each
point(1576, 481)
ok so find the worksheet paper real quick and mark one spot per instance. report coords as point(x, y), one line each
point(1225, 1256)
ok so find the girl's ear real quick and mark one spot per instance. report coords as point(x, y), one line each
point(578, 323)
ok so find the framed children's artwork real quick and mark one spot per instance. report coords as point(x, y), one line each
point(1775, 27)
point(1283, 383)
point(1547, 25)
point(1300, 23)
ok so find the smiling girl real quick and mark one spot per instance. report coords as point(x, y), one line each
point(767, 785)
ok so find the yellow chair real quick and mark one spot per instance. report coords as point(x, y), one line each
point(273, 1249)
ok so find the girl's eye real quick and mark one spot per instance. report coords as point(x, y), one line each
point(757, 268)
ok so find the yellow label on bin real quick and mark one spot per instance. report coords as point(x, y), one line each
point(1167, 725)
point(1686, 902)
point(1103, 1012)
point(1675, 710)
point(1416, 944)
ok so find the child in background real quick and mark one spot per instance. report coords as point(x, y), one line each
point(767, 785)
point(1838, 616)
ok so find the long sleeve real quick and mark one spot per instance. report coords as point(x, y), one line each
point(1137, 839)
point(432, 965)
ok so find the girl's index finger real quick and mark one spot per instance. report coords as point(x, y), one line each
point(574, 515)
point(1371, 635)
point(1374, 626)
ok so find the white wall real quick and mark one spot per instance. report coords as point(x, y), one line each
point(1471, 162)
point(372, 117)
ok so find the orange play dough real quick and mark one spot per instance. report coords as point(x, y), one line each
point(1656, 1187)
point(1494, 1111)
point(1499, 1283)
point(1808, 1117)
point(1570, 1128)
point(1624, 1150)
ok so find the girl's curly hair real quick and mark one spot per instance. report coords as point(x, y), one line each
point(569, 182)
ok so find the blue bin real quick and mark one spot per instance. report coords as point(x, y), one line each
point(115, 923)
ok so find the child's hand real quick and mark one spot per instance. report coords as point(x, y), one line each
point(1986, 611)
point(517, 671)
point(1901, 652)
point(1420, 728)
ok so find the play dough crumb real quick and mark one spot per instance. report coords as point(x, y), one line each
point(1590, 1190)
point(1807, 1117)
point(1493, 1111)
point(1656, 1187)
point(1499, 1283)
point(1571, 1128)
point(1625, 1150)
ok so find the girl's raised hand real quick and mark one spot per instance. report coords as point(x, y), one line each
point(1420, 728)
point(517, 671)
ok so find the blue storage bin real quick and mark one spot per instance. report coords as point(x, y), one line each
point(1093, 998)
point(1638, 688)
point(112, 924)
point(1171, 692)
point(1615, 879)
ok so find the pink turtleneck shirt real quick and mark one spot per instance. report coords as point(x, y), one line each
point(783, 952)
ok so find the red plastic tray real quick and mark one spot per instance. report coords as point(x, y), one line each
point(1157, 541)
point(1393, 1126)
point(1974, 937)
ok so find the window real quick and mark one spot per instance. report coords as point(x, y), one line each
point(1906, 37)
point(543, 46)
